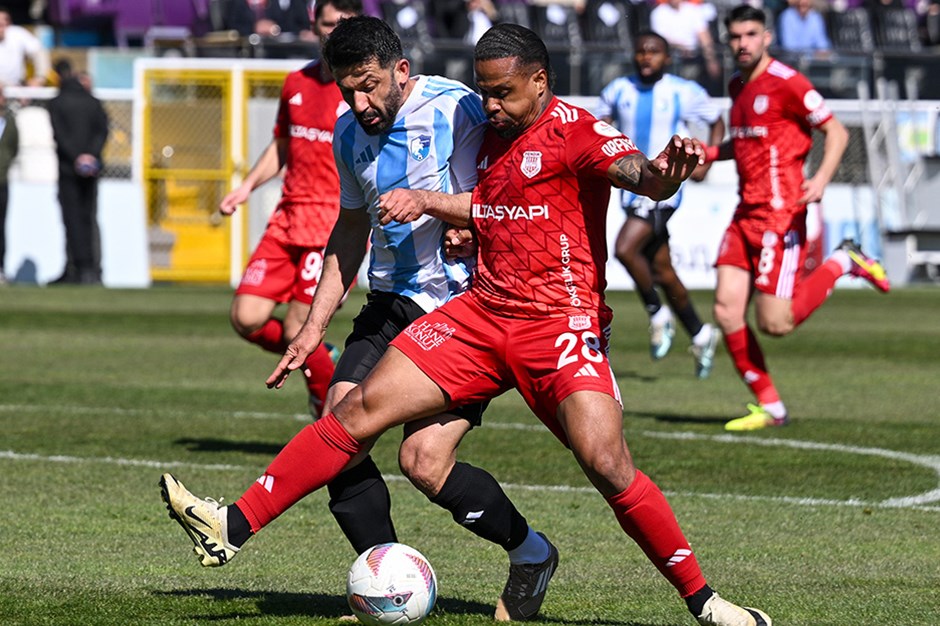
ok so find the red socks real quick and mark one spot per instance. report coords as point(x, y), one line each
point(645, 515)
point(310, 460)
point(813, 290)
point(749, 360)
point(270, 336)
point(319, 373)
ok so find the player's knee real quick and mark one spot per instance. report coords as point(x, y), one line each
point(664, 275)
point(775, 327)
point(611, 466)
point(241, 325)
point(726, 318)
point(244, 320)
point(422, 468)
point(627, 251)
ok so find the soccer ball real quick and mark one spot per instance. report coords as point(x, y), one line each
point(391, 583)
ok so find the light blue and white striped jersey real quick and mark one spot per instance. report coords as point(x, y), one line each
point(433, 146)
point(651, 114)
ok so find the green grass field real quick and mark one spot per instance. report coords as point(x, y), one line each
point(831, 521)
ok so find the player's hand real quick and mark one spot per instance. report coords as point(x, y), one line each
point(232, 199)
point(812, 191)
point(401, 205)
point(679, 159)
point(303, 345)
point(459, 243)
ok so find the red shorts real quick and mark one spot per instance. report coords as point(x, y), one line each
point(281, 272)
point(774, 256)
point(474, 354)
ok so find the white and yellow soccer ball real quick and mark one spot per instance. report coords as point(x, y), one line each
point(391, 583)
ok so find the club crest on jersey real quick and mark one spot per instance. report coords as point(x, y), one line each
point(420, 147)
point(531, 163)
point(761, 104)
point(604, 129)
point(579, 322)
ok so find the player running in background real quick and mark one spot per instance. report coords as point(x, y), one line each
point(285, 266)
point(534, 318)
point(651, 106)
point(418, 133)
point(774, 110)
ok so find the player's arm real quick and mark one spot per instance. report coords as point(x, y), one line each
point(658, 178)
point(407, 205)
point(836, 140)
point(344, 254)
point(716, 132)
point(265, 168)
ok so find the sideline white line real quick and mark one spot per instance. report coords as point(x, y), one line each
point(931, 462)
point(917, 501)
point(887, 504)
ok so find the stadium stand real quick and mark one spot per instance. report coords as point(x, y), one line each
point(896, 30)
point(850, 31)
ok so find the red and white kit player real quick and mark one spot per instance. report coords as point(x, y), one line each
point(534, 318)
point(774, 111)
point(285, 266)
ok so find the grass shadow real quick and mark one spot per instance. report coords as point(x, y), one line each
point(676, 418)
point(225, 445)
point(313, 605)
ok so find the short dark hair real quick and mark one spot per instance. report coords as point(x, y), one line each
point(343, 6)
point(63, 67)
point(746, 13)
point(512, 40)
point(654, 35)
point(360, 39)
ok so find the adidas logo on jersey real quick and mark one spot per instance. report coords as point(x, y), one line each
point(565, 113)
point(297, 99)
point(366, 156)
point(587, 370)
point(485, 163)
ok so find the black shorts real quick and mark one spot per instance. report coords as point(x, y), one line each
point(381, 318)
point(657, 217)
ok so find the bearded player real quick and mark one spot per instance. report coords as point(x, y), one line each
point(773, 113)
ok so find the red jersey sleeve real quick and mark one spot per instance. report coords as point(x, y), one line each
point(805, 103)
point(593, 145)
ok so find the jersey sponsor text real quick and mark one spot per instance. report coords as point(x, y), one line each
point(514, 212)
point(311, 134)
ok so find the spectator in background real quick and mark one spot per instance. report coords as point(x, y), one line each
point(801, 28)
point(684, 25)
point(481, 15)
point(16, 46)
point(462, 19)
point(932, 23)
point(9, 146)
point(80, 129)
point(270, 18)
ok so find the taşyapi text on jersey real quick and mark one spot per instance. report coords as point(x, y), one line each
point(512, 212)
point(747, 132)
point(311, 134)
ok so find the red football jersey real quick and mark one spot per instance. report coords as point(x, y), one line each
point(772, 118)
point(309, 204)
point(540, 211)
